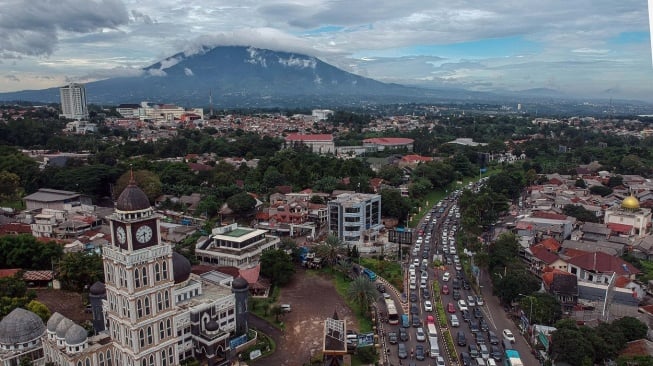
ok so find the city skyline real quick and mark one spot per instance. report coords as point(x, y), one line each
point(582, 49)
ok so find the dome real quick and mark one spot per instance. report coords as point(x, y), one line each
point(76, 335)
point(212, 326)
point(54, 321)
point(239, 283)
point(63, 327)
point(97, 289)
point(180, 267)
point(20, 326)
point(630, 203)
point(132, 198)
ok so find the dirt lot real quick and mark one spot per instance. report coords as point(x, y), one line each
point(69, 304)
point(313, 298)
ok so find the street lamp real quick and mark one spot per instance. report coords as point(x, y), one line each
point(530, 315)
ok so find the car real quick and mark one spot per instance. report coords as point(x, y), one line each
point(465, 359)
point(458, 267)
point(480, 338)
point(473, 350)
point(420, 335)
point(425, 254)
point(456, 295)
point(412, 267)
point(454, 321)
point(439, 361)
point(482, 323)
point(471, 301)
point(459, 275)
point(430, 319)
point(456, 284)
point(473, 327)
point(424, 275)
point(413, 296)
point(403, 334)
point(493, 338)
point(445, 290)
point(485, 352)
point(419, 352)
point(467, 316)
point(414, 309)
point(479, 300)
point(426, 294)
point(416, 322)
point(401, 351)
point(466, 285)
point(462, 306)
point(446, 276)
point(451, 308)
point(392, 338)
point(380, 288)
point(496, 354)
point(477, 313)
point(508, 336)
point(286, 308)
point(423, 284)
point(428, 306)
point(460, 339)
point(386, 295)
point(413, 285)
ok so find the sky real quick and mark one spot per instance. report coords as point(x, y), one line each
point(582, 48)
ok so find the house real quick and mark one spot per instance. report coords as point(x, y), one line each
point(563, 286)
point(541, 258)
point(643, 248)
point(599, 267)
point(55, 199)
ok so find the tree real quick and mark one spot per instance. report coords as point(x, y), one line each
point(516, 281)
point(570, 346)
point(241, 203)
point(546, 308)
point(600, 190)
point(330, 249)
point(391, 174)
point(77, 271)
point(9, 184)
point(277, 265)
point(394, 205)
point(362, 292)
point(39, 309)
point(580, 213)
point(24, 251)
point(631, 327)
point(580, 183)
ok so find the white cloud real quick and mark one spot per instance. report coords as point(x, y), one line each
point(298, 62)
point(188, 72)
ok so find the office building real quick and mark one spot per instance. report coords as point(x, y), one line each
point(73, 101)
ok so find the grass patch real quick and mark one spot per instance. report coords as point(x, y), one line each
point(261, 307)
point(389, 270)
point(342, 285)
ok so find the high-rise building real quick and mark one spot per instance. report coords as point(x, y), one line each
point(355, 217)
point(73, 101)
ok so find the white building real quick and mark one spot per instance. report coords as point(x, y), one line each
point(321, 114)
point(628, 218)
point(235, 246)
point(73, 101)
point(318, 143)
point(355, 217)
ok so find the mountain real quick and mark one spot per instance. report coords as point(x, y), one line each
point(240, 77)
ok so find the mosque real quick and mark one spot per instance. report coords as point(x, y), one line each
point(150, 310)
point(629, 218)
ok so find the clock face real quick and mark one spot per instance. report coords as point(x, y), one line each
point(144, 234)
point(121, 235)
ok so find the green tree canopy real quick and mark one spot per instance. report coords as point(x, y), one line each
point(24, 251)
point(241, 203)
point(277, 265)
point(78, 271)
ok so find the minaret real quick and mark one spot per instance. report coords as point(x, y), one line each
point(139, 282)
point(240, 288)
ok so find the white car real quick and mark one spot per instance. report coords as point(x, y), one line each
point(462, 306)
point(508, 336)
point(428, 306)
point(439, 361)
point(420, 335)
point(446, 276)
point(471, 301)
point(424, 275)
point(479, 300)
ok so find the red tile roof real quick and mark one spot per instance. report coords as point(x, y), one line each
point(620, 228)
point(315, 137)
point(414, 158)
point(541, 253)
point(600, 262)
point(38, 276)
point(15, 228)
point(549, 215)
point(250, 274)
point(4, 273)
point(550, 244)
point(388, 141)
point(547, 277)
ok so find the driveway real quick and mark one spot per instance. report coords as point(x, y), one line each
point(313, 298)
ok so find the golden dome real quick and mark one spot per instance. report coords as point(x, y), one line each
point(630, 203)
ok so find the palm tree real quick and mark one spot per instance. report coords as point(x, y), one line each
point(362, 292)
point(330, 249)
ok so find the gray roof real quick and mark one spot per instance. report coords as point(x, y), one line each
point(51, 195)
point(591, 227)
point(76, 335)
point(63, 327)
point(596, 293)
point(54, 321)
point(596, 246)
point(20, 326)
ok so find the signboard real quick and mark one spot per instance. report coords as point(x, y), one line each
point(365, 339)
point(235, 342)
point(400, 236)
point(255, 354)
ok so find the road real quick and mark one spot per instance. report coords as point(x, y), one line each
point(492, 310)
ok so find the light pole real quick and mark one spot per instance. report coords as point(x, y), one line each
point(530, 314)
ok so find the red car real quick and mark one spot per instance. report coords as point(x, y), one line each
point(451, 308)
point(445, 290)
point(430, 319)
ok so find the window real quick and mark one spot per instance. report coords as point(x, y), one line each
point(139, 308)
point(151, 360)
point(159, 301)
point(150, 340)
point(157, 273)
point(162, 333)
point(171, 356)
point(144, 276)
point(169, 330)
point(79, 363)
point(141, 338)
point(137, 278)
point(100, 358)
point(164, 266)
point(166, 296)
point(88, 361)
point(109, 358)
point(164, 359)
point(147, 305)
point(144, 362)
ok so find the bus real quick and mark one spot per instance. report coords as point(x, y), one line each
point(393, 315)
point(370, 274)
point(512, 358)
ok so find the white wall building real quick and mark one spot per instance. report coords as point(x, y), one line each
point(235, 246)
point(73, 101)
point(355, 217)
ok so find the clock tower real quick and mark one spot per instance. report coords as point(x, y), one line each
point(139, 282)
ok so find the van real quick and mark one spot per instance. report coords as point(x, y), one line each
point(404, 321)
point(434, 348)
point(285, 308)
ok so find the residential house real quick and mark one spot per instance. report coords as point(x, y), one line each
point(599, 267)
point(563, 286)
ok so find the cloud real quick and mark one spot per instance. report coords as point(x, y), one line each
point(255, 58)
point(12, 78)
point(34, 27)
point(156, 72)
point(188, 71)
point(297, 62)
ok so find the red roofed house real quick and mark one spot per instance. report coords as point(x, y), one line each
point(562, 285)
point(318, 143)
point(541, 258)
point(412, 160)
point(383, 143)
point(598, 267)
